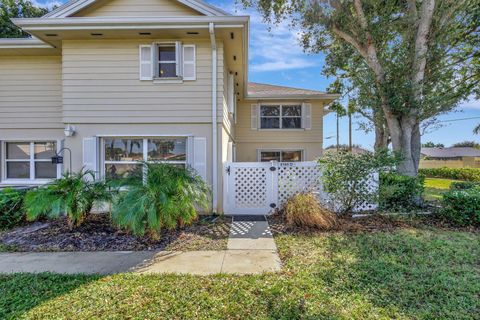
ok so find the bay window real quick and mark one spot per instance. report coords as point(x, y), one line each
point(122, 156)
point(30, 160)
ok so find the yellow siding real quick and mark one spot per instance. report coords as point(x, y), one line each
point(137, 8)
point(249, 141)
point(30, 92)
point(101, 85)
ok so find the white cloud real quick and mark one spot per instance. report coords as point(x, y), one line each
point(49, 4)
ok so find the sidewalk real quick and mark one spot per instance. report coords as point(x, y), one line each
point(251, 249)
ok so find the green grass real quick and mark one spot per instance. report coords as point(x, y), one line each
point(406, 274)
point(435, 188)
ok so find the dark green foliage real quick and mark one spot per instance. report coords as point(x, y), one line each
point(464, 185)
point(73, 195)
point(467, 144)
point(430, 144)
point(168, 197)
point(399, 192)
point(466, 174)
point(11, 211)
point(461, 207)
point(17, 9)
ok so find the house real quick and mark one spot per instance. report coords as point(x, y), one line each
point(454, 157)
point(108, 83)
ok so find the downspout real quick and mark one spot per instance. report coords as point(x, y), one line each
point(211, 29)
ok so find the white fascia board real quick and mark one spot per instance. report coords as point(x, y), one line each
point(42, 24)
point(75, 6)
point(15, 43)
point(295, 97)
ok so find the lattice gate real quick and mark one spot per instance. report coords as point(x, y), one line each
point(260, 187)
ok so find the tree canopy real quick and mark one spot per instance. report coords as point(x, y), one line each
point(401, 62)
point(17, 9)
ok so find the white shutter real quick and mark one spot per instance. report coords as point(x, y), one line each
point(306, 116)
point(254, 117)
point(200, 156)
point(189, 62)
point(90, 155)
point(146, 62)
point(178, 59)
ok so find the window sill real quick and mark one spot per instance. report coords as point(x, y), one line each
point(282, 130)
point(168, 80)
point(21, 183)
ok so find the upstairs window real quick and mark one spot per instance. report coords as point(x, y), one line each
point(167, 61)
point(281, 117)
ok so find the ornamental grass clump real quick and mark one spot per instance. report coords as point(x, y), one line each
point(167, 197)
point(304, 210)
point(73, 195)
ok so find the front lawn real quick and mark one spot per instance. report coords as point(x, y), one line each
point(435, 188)
point(405, 273)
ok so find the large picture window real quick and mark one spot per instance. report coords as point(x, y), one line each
point(281, 117)
point(281, 155)
point(123, 155)
point(30, 160)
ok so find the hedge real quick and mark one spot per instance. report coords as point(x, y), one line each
point(398, 192)
point(461, 207)
point(466, 174)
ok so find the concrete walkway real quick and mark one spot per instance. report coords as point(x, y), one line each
point(250, 250)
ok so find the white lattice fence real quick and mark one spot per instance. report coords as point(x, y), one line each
point(259, 187)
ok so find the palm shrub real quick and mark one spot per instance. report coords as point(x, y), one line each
point(167, 197)
point(73, 195)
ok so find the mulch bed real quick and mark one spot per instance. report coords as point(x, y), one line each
point(372, 223)
point(98, 234)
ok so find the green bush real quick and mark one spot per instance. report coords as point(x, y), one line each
point(73, 195)
point(11, 207)
point(168, 197)
point(345, 176)
point(466, 174)
point(461, 207)
point(464, 185)
point(399, 192)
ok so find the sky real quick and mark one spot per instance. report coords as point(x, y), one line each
point(276, 57)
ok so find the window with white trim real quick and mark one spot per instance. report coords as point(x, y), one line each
point(167, 61)
point(30, 160)
point(122, 156)
point(281, 155)
point(280, 117)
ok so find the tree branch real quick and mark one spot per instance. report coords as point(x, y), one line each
point(421, 46)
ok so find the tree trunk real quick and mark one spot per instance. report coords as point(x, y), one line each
point(382, 136)
point(405, 134)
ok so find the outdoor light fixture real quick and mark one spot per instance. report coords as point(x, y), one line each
point(69, 131)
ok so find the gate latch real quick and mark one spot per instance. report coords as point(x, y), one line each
point(228, 170)
point(273, 168)
point(273, 205)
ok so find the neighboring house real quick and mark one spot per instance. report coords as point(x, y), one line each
point(120, 81)
point(461, 157)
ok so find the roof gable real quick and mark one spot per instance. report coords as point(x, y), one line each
point(130, 8)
